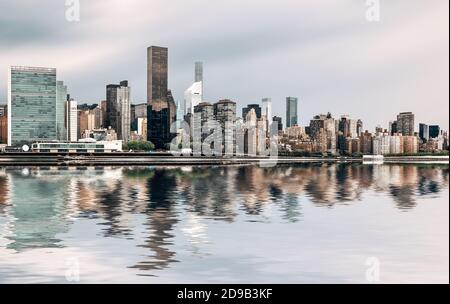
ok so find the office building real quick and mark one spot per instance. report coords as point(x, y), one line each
point(31, 105)
point(267, 113)
point(161, 106)
point(291, 111)
point(405, 123)
point(256, 107)
point(434, 131)
point(279, 122)
point(424, 132)
point(61, 99)
point(71, 120)
point(204, 112)
point(327, 124)
point(225, 114)
point(118, 109)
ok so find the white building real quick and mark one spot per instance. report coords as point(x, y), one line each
point(382, 144)
point(395, 144)
point(71, 122)
point(193, 96)
point(267, 112)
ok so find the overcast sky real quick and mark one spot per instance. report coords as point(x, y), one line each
point(324, 52)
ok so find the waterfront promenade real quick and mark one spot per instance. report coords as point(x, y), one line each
point(167, 159)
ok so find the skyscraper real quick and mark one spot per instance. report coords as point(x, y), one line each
point(405, 123)
point(291, 111)
point(279, 121)
point(225, 113)
point(267, 113)
point(71, 121)
point(161, 107)
point(118, 109)
point(256, 107)
point(424, 132)
point(198, 72)
point(31, 105)
point(434, 131)
point(61, 99)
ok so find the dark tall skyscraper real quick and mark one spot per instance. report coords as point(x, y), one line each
point(247, 109)
point(161, 106)
point(424, 132)
point(291, 111)
point(434, 131)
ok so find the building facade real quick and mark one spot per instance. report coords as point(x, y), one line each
point(405, 123)
point(71, 121)
point(161, 111)
point(225, 114)
point(291, 111)
point(31, 105)
point(118, 109)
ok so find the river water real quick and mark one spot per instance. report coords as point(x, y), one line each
point(311, 223)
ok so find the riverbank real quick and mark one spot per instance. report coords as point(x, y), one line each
point(165, 159)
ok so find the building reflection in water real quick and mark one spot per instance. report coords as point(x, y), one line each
point(38, 205)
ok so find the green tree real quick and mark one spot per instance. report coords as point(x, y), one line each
point(140, 146)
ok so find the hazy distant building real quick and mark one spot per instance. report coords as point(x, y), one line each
point(31, 105)
point(138, 111)
point(324, 123)
point(118, 109)
point(198, 77)
point(3, 124)
point(279, 121)
point(405, 123)
point(291, 111)
point(204, 111)
point(267, 113)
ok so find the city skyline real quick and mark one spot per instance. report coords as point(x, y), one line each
point(356, 81)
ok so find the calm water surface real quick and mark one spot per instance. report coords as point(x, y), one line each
point(296, 224)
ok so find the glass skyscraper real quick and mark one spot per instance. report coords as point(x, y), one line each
point(61, 99)
point(291, 111)
point(161, 111)
point(31, 105)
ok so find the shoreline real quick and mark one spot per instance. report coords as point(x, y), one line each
point(166, 159)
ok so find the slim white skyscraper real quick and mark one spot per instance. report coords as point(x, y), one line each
point(267, 110)
point(71, 121)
